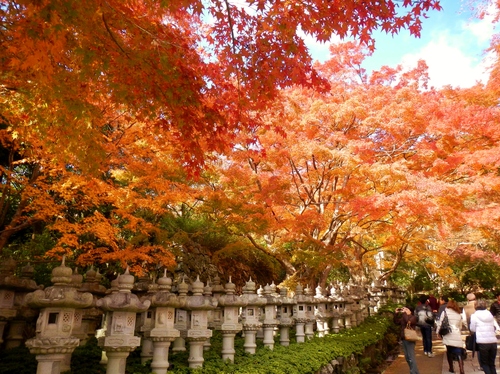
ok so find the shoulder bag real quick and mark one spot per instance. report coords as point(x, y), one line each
point(411, 334)
point(445, 328)
point(470, 342)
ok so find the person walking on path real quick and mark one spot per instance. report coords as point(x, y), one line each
point(403, 317)
point(495, 308)
point(425, 317)
point(453, 340)
point(468, 310)
point(485, 326)
point(433, 303)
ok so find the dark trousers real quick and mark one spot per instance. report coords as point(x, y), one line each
point(487, 356)
point(426, 331)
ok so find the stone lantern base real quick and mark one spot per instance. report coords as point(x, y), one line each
point(52, 353)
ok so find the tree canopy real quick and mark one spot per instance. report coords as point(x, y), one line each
point(183, 133)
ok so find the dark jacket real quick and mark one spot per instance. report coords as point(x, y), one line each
point(495, 309)
point(401, 319)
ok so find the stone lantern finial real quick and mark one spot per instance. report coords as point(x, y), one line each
point(197, 287)
point(62, 275)
point(230, 287)
point(183, 288)
point(165, 283)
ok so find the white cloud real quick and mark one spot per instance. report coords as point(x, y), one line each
point(457, 59)
point(448, 63)
point(482, 30)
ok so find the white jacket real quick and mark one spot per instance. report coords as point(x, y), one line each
point(484, 324)
point(454, 338)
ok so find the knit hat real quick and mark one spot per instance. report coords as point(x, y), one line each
point(471, 297)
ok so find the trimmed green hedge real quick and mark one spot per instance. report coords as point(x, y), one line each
point(303, 358)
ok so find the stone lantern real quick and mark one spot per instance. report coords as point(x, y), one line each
point(144, 319)
point(357, 308)
point(181, 319)
point(7, 294)
point(54, 341)
point(13, 311)
point(207, 293)
point(215, 321)
point(270, 313)
point(121, 307)
point(198, 332)
point(91, 316)
point(384, 293)
point(348, 304)
point(401, 296)
point(337, 308)
point(373, 295)
point(251, 315)
point(310, 313)
point(321, 312)
point(299, 313)
point(284, 316)
point(162, 331)
point(230, 305)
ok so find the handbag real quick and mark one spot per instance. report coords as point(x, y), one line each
point(411, 334)
point(470, 342)
point(429, 317)
point(445, 328)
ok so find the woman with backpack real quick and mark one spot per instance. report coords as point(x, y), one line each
point(425, 318)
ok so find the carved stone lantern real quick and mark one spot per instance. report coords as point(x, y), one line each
point(207, 293)
point(7, 294)
point(284, 316)
point(181, 319)
point(198, 332)
point(54, 341)
point(337, 308)
point(299, 313)
point(215, 321)
point(121, 307)
point(162, 331)
point(230, 305)
point(310, 313)
point(384, 293)
point(348, 304)
point(321, 312)
point(270, 321)
point(251, 315)
point(374, 297)
point(401, 296)
point(91, 316)
point(356, 306)
point(13, 311)
point(144, 319)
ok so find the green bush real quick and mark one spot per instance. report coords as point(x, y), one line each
point(17, 361)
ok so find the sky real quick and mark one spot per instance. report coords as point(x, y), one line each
point(452, 42)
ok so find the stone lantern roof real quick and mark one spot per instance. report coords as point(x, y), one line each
point(62, 294)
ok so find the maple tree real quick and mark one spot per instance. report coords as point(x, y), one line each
point(103, 219)
point(379, 171)
point(199, 70)
point(109, 108)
